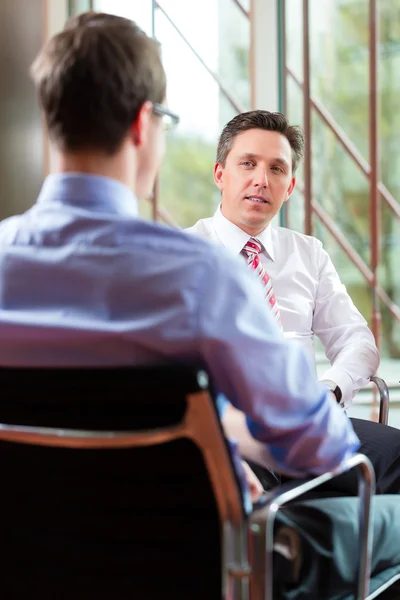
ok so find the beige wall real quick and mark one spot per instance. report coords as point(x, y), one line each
point(264, 58)
point(24, 153)
point(21, 137)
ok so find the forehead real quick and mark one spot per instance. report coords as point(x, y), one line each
point(266, 144)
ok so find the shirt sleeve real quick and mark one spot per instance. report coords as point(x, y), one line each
point(349, 344)
point(302, 429)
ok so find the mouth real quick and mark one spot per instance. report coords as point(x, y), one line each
point(257, 199)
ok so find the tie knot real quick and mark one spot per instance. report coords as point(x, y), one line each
point(252, 247)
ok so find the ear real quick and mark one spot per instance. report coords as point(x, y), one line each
point(219, 176)
point(140, 125)
point(290, 188)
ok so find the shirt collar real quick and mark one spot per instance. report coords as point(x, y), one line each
point(234, 238)
point(92, 192)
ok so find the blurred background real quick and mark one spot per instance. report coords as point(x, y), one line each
point(330, 65)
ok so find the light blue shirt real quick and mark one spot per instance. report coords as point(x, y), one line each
point(85, 281)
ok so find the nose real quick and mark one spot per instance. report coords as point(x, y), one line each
point(260, 177)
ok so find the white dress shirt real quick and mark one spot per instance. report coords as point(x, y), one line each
point(311, 299)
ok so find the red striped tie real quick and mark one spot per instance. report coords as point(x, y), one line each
point(252, 250)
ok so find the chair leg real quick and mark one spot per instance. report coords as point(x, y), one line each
point(236, 567)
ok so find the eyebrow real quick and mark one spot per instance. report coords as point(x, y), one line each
point(252, 156)
point(248, 155)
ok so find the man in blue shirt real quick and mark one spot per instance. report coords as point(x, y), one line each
point(85, 281)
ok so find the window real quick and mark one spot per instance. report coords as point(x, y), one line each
point(205, 50)
point(341, 120)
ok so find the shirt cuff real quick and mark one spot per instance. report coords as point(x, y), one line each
point(344, 381)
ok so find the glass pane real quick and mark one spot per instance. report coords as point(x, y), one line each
point(389, 94)
point(139, 11)
point(75, 7)
point(339, 47)
point(192, 93)
point(295, 211)
point(224, 50)
point(294, 36)
point(390, 165)
point(390, 281)
point(341, 188)
point(339, 69)
point(186, 182)
point(233, 53)
point(146, 208)
point(187, 188)
point(295, 206)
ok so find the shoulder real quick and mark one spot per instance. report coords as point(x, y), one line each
point(197, 263)
point(295, 237)
point(203, 227)
point(9, 229)
point(181, 250)
point(169, 240)
point(294, 241)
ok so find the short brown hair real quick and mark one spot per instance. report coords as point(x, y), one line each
point(261, 119)
point(92, 79)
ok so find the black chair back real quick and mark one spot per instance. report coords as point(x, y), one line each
point(116, 483)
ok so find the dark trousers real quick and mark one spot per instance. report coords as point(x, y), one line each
point(381, 443)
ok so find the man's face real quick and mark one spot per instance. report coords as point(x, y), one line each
point(256, 180)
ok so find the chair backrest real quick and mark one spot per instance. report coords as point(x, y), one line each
point(116, 483)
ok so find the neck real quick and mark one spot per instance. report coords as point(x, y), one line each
point(250, 231)
point(120, 166)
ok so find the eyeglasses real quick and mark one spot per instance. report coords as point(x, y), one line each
point(170, 119)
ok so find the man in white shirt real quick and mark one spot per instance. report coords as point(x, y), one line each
point(257, 157)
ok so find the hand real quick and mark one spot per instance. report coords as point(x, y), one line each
point(255, 487)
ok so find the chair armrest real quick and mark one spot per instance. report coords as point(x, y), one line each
point(383, 399)
point(262, 520)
